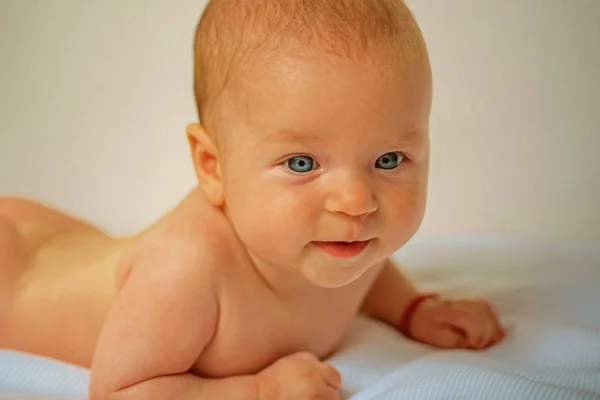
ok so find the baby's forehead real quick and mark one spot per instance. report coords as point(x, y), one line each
point(235, 34)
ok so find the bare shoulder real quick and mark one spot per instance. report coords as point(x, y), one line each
point(168, 295)
point(191, 236)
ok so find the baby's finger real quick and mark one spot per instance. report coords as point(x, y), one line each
point(489, 337)
point(497, 332)
point(330, 375)
point(489, 324)
point(464, 320)
point(331, 394)
point(486, 322)
point(498, 336)
point(448, 338)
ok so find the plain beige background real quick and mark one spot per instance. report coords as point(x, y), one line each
point(95, 96)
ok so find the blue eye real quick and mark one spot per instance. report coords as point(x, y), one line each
point(301, 164)
point(389, 160)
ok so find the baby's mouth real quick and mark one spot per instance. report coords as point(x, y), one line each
point(343, 249)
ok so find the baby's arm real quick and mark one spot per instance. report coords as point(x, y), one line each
point(447, 323)
point(390, 295)
point(163, 318)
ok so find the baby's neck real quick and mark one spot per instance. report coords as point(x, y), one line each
point(287, 285)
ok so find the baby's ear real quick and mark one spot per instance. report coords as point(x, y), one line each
point(205, 157)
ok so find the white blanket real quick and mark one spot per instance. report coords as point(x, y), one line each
point(548, 294)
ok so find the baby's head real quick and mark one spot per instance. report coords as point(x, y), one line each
point(313, 134)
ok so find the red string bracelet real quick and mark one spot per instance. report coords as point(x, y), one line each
point(404, 324)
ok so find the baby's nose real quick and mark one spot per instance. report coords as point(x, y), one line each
point(352, 197)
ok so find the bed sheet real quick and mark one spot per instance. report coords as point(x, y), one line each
point(548, 296)
point(547, 293)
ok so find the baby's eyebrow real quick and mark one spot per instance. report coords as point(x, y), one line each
point(291, 136)
point(411, 136)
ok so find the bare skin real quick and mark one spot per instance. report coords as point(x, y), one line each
point(49, 287)
point(247, 284)
point(251, 327)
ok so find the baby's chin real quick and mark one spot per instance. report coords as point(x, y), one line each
point(327, 271)
point(332, 277)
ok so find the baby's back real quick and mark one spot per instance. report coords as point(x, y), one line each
point(63, 293)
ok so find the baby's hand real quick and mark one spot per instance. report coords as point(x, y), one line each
point(300, 376)
point(456, 324)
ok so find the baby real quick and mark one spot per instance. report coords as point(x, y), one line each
point(312, 163)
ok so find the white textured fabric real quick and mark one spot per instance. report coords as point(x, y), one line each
point(24, 373)
point(541, 361)
point(548, 295)
point(29, 396)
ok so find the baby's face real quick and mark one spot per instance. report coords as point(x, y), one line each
point(324, 164)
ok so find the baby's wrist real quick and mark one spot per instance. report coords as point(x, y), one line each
point(405, 322)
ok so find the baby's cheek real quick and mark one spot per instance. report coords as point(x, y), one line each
point(269, 220)
point(405, 211)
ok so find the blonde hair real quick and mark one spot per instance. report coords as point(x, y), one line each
point(231, 34)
